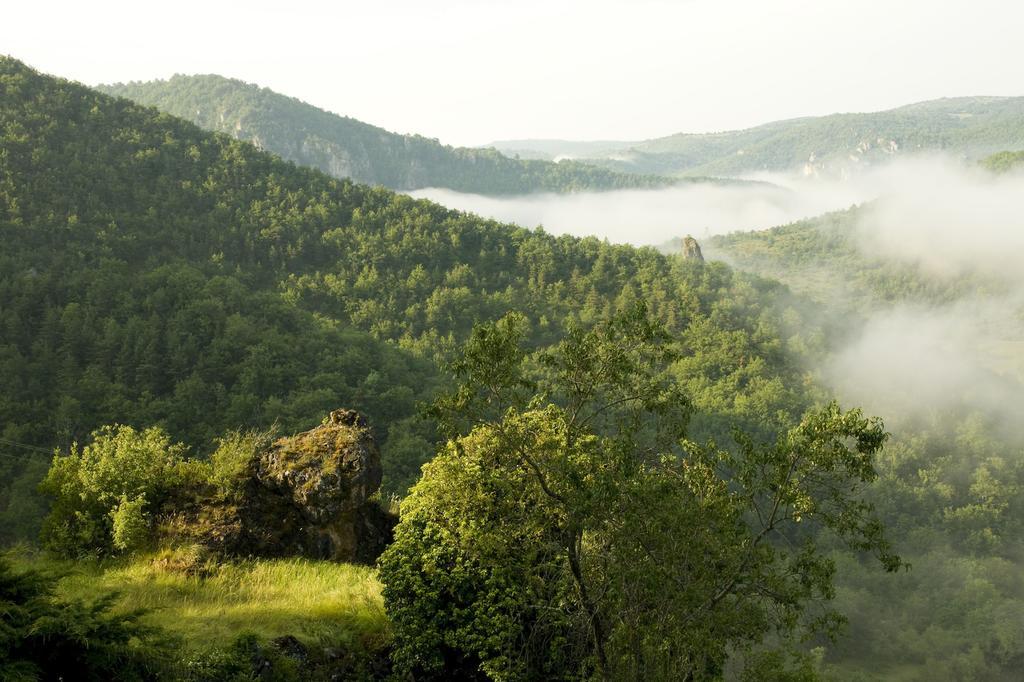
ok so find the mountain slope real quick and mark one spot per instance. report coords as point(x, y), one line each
point(833, 260)
point(968, 126)
point(344, 147)
point(155, 273)
point(940, 352)
point(824, 258)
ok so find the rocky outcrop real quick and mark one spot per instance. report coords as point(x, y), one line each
point(305, 495)
point(691, 249)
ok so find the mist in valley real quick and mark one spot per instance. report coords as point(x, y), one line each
point(950, 220)
point(927, 197)
point(947, 217)
point(652, 217)
point(911, 362)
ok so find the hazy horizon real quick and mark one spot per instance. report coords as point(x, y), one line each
point(473, 73)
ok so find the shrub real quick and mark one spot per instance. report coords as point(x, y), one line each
point(121, 467)
point(234, 452)
point(245, 659)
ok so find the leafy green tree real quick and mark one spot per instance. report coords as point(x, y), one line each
point(230, 461)
point(569, 530)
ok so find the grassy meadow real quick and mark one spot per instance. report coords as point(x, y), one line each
point(207, 604)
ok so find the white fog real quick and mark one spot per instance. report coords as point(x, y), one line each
point(651, 217)
point(948, 216)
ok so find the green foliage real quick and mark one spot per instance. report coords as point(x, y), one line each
point(244, 660)
point(950, 478)
point(781, 666)
point(1003, 162)
point(230, 461)
point(949, 488)
point(345, 147)
point(42, 638)
point(103, 493)
point(130, 524)
point(22, 508)
point(572, 531)
point(824, 258)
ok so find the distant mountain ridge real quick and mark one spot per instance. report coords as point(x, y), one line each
point(553, 150)
point(973, 127)
point(347, 148)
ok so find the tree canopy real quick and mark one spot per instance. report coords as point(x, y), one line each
point(569, 530)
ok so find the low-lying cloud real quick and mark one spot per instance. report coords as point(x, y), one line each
point(948, 217)
point(911, 361)
point(652, 217)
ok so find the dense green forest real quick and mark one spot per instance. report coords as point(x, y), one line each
point(347, 148)
point(158, 274)
point(967, 126)
point(155, 274)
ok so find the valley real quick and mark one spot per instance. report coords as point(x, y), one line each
point(286, 395)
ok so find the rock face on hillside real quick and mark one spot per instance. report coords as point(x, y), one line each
point(305, 495)
point(691, 249)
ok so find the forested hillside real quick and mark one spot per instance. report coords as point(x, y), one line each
point(829, 259)
point(154, 273)
point(973, 127)
point(347, 148)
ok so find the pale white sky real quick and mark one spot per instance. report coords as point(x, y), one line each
point(469, 72)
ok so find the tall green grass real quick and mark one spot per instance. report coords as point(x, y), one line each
point(208, 605)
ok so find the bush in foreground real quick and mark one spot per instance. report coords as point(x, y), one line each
point(569, 530)
point(104, 492)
